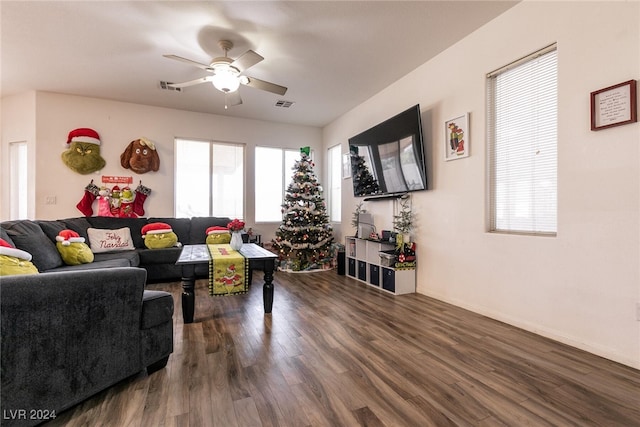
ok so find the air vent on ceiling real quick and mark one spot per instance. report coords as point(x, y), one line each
point(165, 86)
point(284, 104)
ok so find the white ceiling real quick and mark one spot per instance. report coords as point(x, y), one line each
point(332, 55)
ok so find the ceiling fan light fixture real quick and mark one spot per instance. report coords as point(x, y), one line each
point(225, 80)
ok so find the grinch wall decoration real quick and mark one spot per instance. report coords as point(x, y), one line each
point(83, 152)
point(140, 156)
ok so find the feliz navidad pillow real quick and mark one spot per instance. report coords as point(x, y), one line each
point(103, 240)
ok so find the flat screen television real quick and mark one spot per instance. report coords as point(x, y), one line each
point(389, 158)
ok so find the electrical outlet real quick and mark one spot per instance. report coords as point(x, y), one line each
point(50, 200)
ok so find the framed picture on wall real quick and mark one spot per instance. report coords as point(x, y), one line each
point(456, 141)
point(614, 106)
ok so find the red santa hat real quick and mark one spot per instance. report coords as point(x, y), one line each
point(156, 228)
point(217, 230)
point(8, 250)
point(83, 135)
point(67, 237)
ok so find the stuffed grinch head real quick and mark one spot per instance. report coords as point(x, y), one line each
point(72, 248)
point(159, 235)
point(83, 152)
point(15, 261)
point(218, 235)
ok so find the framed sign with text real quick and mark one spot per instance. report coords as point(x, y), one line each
point(614, 106)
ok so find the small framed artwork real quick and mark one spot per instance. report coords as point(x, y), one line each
point(456, 138)
point(614, 106)
point(346, 166)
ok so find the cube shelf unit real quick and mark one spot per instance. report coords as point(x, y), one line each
point(364, 264)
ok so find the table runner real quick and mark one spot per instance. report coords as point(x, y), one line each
point(228, 271)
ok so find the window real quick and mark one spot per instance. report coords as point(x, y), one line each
point(522, 145)
point(274, 170)
point(335, 183)
point(18, 180)
point(209, 179)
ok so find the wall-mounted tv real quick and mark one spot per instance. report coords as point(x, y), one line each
point(389, 158)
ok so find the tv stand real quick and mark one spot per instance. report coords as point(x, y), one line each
point(364, 264)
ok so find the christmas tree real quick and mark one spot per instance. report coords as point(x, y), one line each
point(364, 183)
point(304, 238)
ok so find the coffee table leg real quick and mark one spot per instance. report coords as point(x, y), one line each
point(267, 290)
point(188, 293)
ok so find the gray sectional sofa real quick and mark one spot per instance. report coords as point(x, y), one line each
point(38, 238)
point(67, 335)
point(73, 331)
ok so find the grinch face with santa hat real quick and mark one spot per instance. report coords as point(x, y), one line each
point(83, 153)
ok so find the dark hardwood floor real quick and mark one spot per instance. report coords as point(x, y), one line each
point(335, 352)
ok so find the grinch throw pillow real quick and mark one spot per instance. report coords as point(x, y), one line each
point(218, 235)
point(159, 235)
point(15, 261)
point(72, 248)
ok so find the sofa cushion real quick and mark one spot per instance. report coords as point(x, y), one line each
point(131, 258)
point(5, 236)
point(180, 226)
point(199, 225)
point(109, 263)
point(157, 308)
point(134, 224)
point(28, 236)
point(159, 256)
point(79, 225)
point(51, 228)
point(106, 240)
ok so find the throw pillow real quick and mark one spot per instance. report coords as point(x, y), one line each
point(159, 235)
point(218, 235)
point(103, 240)
point(15, 261)
point(72, 248)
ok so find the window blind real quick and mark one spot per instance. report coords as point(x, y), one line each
point(522, 145)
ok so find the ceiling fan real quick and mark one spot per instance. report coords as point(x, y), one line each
point(226, 74)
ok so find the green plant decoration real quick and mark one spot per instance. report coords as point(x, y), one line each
point(356, 215)
point(403, 221)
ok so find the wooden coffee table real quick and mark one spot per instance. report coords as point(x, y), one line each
point(257, 256)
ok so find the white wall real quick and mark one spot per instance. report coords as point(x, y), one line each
point(18, 125)
point(118, 124)
point(582, 286)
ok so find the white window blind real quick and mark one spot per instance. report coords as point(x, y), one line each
point(209, 179)
point(335, 183)
point(274, 172)
point(522, 145)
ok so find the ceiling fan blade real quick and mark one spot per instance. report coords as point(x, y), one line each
point(188, 61)
point(232, 98)
point(269, 87)
point(246, 60)
point(191, 82)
